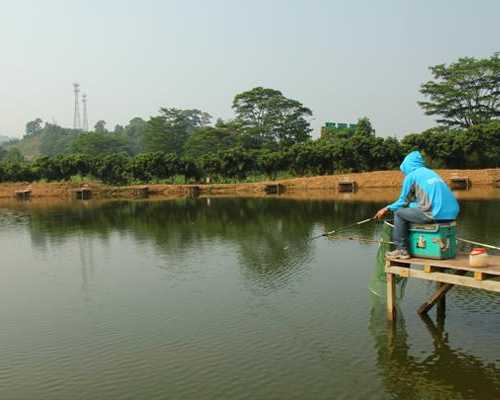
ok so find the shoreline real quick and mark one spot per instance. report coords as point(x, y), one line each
point(386, 183)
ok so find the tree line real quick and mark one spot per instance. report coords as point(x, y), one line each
point(335, 152)
point(269, 135)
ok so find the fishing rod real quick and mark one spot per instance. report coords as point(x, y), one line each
point(342, 228)
point(360, 239)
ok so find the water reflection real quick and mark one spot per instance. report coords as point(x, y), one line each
point(443, 373)
point(230, 288)
point(269, 235)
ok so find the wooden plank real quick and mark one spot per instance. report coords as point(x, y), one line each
point(391, 297)
point(459, 263)
point(437, 296)
point(491, 285)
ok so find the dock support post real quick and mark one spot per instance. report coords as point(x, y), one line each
point(441, 307)
point(438, 297)
point(391, 297)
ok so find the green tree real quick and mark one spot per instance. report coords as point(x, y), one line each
point(169, 131)
point(208, 140)
point(464, 93)
point(34, 127)
point(13, 155)
point(157, 165)
point(270, 117)
point(56, 140)
point(237, 163)
point(98, 143)
point(134, 135)
point(118, 129)
point(364, 127)
point(100, 126)
point(271, 162)
point(113, 168)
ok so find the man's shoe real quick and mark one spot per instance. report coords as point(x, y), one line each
point(401, 254)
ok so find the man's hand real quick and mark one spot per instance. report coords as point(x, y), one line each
point(381, 213)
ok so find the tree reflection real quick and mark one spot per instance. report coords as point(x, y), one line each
point(270, 235)
point(446, 373)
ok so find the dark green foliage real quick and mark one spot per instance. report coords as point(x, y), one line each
point(63, 167)
point(210, 164)
point(100, 127)
point(190, 170)
point(17, 171)
point(271, 162)
point(169, 131)
point(364, 127)
point(133, 134)
point(154, 166)
point(476, 147)
point(99, 143)
point(55, 140)
point(267, 116)
point(12, 154)
point(464, 93)
point(237, 163)
point(208, 140)
point(113, 168)
point(34, 127)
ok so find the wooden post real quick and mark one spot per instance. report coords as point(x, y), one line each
point(441, 307)
point(391, 297)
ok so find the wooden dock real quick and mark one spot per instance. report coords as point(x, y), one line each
point(447, 273)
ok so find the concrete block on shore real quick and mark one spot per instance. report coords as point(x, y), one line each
point(23, 195)
point(83, 193)
point(274, 189)
point(460, 183)
point(347, 186)
point(192, 191)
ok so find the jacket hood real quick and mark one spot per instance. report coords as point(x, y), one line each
point(412, 162)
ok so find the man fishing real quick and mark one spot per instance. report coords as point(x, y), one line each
point(425, 198)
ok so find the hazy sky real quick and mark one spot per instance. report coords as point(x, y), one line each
point(342, 59)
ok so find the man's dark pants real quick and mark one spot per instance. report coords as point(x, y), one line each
point(402, 219)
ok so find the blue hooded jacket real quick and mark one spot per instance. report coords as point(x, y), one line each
point(426, 190)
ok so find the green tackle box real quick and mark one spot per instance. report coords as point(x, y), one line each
point(437, 241)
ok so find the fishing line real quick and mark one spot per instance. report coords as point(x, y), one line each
point(489, 246)
point(342, 228)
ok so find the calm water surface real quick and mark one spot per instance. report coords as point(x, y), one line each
point(198, 299)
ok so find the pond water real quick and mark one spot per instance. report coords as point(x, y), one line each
point(224, 298)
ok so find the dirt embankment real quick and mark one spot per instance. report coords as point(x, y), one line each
point(487, 179)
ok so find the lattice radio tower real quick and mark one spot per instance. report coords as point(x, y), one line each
point(76, 117)
point(85, 116)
